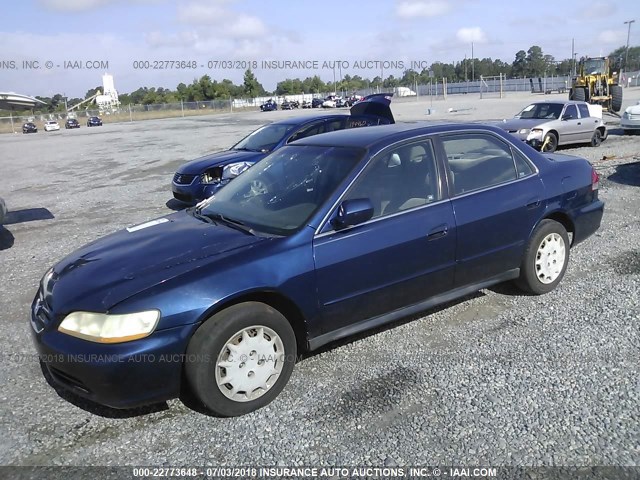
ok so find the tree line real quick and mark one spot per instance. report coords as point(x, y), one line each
point(532, 63)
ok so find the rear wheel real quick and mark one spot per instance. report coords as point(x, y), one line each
point(550, 143)
point(596, 139)
point(545, 258)
point(579, 94)
point(240, 359)
point(616, 98)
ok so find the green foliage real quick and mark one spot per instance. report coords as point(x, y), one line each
point(532, 63)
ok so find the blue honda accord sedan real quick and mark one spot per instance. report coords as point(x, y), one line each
point(353, 229)
point(202, 177)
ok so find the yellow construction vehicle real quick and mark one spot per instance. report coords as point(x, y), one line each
point(597, 84)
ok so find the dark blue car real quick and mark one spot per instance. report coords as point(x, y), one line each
point(352, 230)
point(201, 178)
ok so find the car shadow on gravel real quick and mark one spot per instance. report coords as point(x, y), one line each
point(627, 174)
point(101, 410)
point(28, 215)
point(6, 238)
point(175, 205)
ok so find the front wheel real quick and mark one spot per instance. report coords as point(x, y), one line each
point(550, 143)
point(240, 359)
point(545, 258)
point(596, 139)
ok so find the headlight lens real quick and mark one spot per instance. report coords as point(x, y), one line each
point(105, 328)
point(234, 169)
point(536, 133)
point(523, 131)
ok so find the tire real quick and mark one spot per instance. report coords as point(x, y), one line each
point(596, 139)
point(545, 259)
point(255, 332)
point(571, 94)
point(579, 94)
point(549, 143)
point(616, 98)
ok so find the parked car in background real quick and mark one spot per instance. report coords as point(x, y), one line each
point(317, 102)
point(94, 122)
point(330, 101)
point(288, 105)
point(350, 231)
point(71, 123)
point(546, 125)
point(269, 106)
point(201, 178)
point(51, 125)
point(29, 127)
point(630, 121)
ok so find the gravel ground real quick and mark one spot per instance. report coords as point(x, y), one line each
point(497, 378)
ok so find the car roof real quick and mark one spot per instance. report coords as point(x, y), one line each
point(558, 102)
point(301, 120)
point(382, 135)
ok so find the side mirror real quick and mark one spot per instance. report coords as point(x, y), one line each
point(353, 212)
point(567, 117)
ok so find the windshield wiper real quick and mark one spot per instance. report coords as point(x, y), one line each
point(195, 211)
point(230, 222)
point(245, 149)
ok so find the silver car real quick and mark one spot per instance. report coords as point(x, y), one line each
point(546, 125)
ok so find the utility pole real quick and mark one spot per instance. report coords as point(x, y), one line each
point(473, 69)
point(626, 58)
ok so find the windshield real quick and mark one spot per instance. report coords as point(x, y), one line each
point(548, 111)
point(594, 66)
point(264, 139)
point(279, 194)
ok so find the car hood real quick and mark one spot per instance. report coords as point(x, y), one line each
point(518, 123)
point(200, 165)
point(377, 104)
point(633, 109)
point(118, 266)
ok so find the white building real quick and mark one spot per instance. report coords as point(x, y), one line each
point(109, 97)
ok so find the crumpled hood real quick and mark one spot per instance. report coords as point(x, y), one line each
point(120, 265)
point(200, 165)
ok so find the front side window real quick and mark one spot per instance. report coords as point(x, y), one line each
point(584, 110)
point(399, 179)
point(571, 112)
point(264, 139)
point(308, 131)
point(478, 161)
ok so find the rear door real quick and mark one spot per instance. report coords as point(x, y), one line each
point(496, 198)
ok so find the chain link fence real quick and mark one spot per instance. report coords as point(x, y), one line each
point(437, 88)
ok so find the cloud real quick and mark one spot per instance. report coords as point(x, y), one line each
point(471, 34)
point(421, 8)
point(84, 5)
point(599, 10)
point(614, 37)
point(219, 16)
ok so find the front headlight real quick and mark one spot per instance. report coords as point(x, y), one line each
point(105, 328)
point(234, 169)
point(523, 131)
point(535, 134)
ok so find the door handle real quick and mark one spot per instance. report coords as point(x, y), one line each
point(579, 123)
point(533, 204)
point(438, 232)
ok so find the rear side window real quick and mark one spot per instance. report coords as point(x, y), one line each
point(523, 166)
point(478, 161)
point(356, 121)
